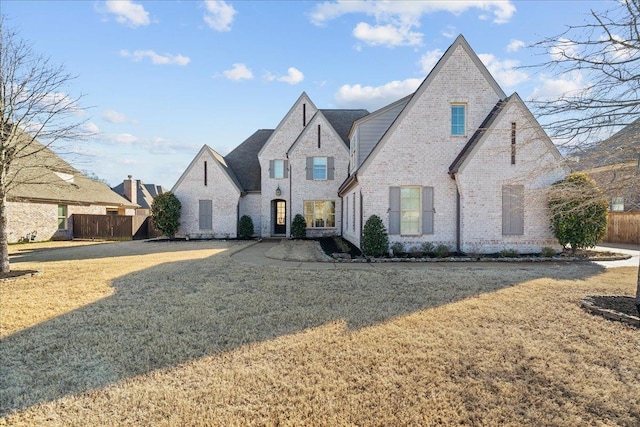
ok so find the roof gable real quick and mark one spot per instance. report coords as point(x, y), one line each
point(319, 116)
point(244, 162)
point(494, 117)
point(302, 99)
point(219, 161)
point(460, 42)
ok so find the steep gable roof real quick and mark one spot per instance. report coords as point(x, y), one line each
point(243, 160)
point(302, 98)
point(461, 42)
point(477, 136)
point(342, 120)
point(467, 151)
point(40, 174)
point(219, 162)
point(317, 116)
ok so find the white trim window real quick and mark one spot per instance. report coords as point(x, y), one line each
point(320, 213)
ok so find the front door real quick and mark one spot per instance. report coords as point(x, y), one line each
point(279, 217)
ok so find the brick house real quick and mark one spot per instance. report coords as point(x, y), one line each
point(615, 165)
point(137, 192)
point(457, 162)
point(45, 192)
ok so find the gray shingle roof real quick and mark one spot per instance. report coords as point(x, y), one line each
point(146, 193)
point(243, 160)
point(621, 147)
point(341, 121)
point(44, 176)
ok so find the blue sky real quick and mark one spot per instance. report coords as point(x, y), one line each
point(162, 78)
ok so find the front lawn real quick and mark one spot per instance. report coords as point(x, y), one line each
point(180, 333)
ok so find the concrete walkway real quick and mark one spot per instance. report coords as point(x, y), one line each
point(287, 253)
point(620, 248)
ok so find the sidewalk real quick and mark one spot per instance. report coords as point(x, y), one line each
point(621, 248)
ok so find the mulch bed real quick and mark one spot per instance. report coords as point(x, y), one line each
point(613, 307)
point(17, 274)
point(621, 304)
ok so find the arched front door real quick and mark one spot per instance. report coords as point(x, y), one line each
point(279, 216)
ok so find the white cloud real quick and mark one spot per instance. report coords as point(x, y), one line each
point(396, 20)
point(450, 32)
point(127, 12)
point(505, 72)
point(554, 89)
point(429, 60)
point(563, 49)
point(293, 76)
point(515, 45)
point(115, 117)
point(91, 128)
point(219, 15)
point(386, 35)
point(157, 59)
point(122, 138)
point(371, 97)
point(238, 72)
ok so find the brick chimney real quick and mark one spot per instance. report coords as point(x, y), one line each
point(131, 189)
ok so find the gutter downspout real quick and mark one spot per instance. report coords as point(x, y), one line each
point(290, 196)
point(457, 220)
point(453, 177)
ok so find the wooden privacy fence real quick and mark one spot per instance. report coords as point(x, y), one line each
point(623, 227)
point(113, 227)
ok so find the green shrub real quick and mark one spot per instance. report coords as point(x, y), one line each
point(509, 253)
point(245, 227)
point(428, 248)
point(165, 212)
point(578, 210)
point(299, 227)
point(441, 250)
point(547, 252)
point(397, 248)
point(375, 241)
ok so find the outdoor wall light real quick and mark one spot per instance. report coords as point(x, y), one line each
point(278, 191)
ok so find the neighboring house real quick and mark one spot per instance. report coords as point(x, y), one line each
point(458, 162)
point(135, 191)
point(615, 165)
point(46, 191)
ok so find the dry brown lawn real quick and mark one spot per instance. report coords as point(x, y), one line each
point(182, 334)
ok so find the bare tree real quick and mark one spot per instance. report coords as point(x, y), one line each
point(36, 114)
point(601, 57)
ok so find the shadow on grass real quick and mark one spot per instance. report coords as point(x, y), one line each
point(99, 250)
point(181, 311)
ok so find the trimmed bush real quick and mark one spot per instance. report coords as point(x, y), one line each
point(397, 248)
point(547, 252)
point(245, 227)
point(428, 248)
point(578, 210)
point(375, 241)
point(299, 227)
point(441, 250)
point(165, 212)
